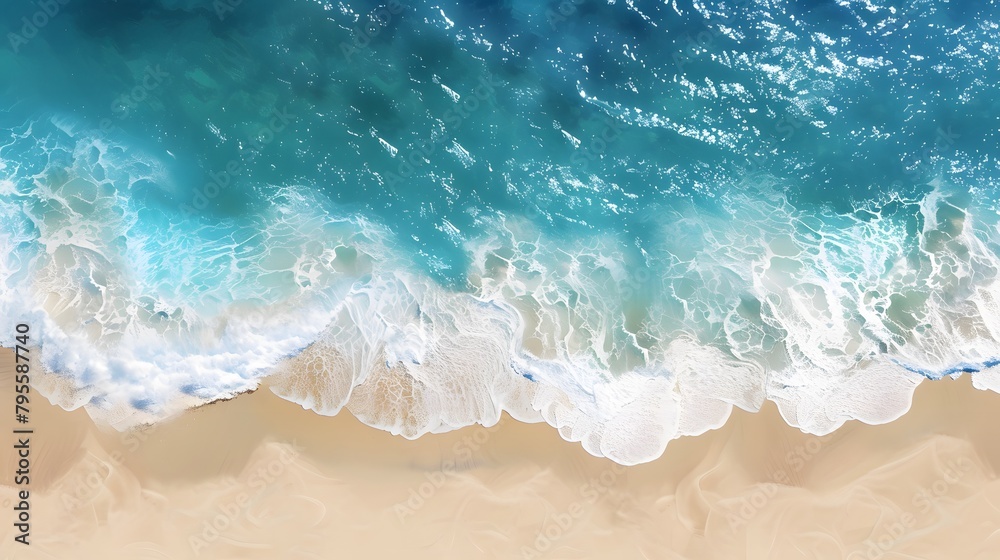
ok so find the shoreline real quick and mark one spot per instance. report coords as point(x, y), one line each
point(256, 476)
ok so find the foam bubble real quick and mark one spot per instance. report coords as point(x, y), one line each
point(833, 317)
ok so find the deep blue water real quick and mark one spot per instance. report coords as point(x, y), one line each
point(695, 100)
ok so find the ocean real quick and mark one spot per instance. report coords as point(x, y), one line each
point(622, 218)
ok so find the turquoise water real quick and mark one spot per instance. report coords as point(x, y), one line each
point(597, 214)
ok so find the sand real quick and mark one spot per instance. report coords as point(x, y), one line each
point(259, 477)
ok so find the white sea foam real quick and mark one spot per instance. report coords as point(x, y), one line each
point(831, 317)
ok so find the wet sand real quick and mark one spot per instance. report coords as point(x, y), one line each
point(258, 477)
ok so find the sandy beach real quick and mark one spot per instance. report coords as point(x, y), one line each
point(258, 477)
